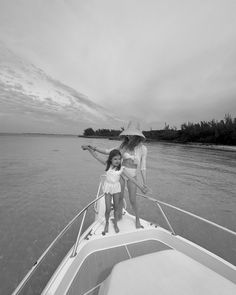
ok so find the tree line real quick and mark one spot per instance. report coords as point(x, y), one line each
point(214, 132)
point(102, 132)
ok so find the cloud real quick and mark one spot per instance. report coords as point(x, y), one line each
point(157, 60)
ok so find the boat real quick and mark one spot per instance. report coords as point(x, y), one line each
point(156, 259)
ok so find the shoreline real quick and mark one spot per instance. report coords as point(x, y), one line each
point(211, 146)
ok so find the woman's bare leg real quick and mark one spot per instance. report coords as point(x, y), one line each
point(116, 199)
point(121, 199)
point(107, 212)
point(132, 188)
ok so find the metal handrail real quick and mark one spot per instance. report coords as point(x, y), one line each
point(95, 204)
point(78, 236)
point(36, 264)
point(161, 209)
point(189, 213)
point(166, 219)
point(84, 210)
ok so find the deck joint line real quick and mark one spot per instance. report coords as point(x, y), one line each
point(87, 292)
point(128, 251)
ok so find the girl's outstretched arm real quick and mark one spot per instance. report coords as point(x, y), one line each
point(96, 156)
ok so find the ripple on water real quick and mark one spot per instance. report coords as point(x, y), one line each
point(45, 181)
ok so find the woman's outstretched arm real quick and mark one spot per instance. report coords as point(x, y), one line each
point(104, 151)
point(96, 156)
point(95, 149)
point(101, 151)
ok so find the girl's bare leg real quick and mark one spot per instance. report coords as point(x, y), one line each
point(107, 212)
point(121, 199)
point(116, 199)
point(132, 188)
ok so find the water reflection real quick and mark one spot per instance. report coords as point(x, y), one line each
point(45, 181)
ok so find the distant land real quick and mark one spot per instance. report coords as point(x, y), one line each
point(214, 132)
point(229, 148)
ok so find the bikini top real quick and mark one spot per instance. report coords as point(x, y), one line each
point(126, 156)
point(139, 156)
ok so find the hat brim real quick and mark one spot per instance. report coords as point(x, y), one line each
point(132, 132)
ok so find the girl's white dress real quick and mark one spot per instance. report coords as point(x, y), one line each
point(111, 184)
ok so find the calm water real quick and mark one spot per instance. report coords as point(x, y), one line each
point(45, 180)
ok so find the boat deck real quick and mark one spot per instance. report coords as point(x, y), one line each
point(98, 265)
point(165, 272)
point(97, 254)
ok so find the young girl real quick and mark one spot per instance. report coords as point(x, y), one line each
point(134, 155)
point(111, 186)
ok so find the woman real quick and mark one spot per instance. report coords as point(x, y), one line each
point(134, 155)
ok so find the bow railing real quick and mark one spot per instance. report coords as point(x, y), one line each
point(203, 232)
point(36, 280)
point(158, 203)
point(23, 288)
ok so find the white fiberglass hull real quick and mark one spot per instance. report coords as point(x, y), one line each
point(82, 275)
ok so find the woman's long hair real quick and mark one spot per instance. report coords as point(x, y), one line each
point(130, 144)
point(113, 154)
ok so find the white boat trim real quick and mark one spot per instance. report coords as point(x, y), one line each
point(94, 288)
point(31, 271)
point(167, 238)
point(213, 260)
point(128, 251)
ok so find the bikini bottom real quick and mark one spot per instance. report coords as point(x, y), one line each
point(131, 171)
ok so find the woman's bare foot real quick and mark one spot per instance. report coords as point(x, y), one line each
point(120, 215)
point(138, 224)
point(115, 225)
point(84, 147)
point(116, 228)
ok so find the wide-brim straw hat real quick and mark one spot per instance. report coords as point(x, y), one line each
point(133, 128)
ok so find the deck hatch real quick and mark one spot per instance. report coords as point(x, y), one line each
point(98, 265)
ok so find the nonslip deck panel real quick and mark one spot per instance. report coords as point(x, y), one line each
point(98, 265)
point(146, 247)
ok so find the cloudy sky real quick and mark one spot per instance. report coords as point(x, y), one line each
point(157, 60)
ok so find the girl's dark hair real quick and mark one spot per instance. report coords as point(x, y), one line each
point(113, 154)
point(132, 143)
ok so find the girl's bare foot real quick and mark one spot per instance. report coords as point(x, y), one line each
point(138, 224)
point(120, 213)
point(106, 228)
